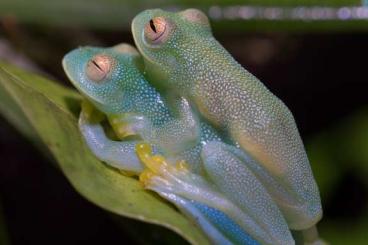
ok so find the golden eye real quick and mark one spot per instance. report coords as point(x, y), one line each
point(98, 67)
point(156, 29)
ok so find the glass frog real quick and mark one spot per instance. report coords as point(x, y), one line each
point(209, 180)
point(182, 56)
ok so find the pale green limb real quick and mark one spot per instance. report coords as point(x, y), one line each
point(117, 154)
point(237, 181)
point(198, 217)
point(218, 227)
point(310, 235)
point(171, 137)
point(299, 214)
point(164, 177)
point(180, 133)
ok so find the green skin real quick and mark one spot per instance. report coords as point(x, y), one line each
point(186, 59)
point(230, 187)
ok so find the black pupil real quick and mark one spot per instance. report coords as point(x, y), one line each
point(95, 63)
point(153, 27)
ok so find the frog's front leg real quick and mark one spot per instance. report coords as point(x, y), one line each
point(258, 215)
point(117, 154)
point(176, 135)
point(171, 136)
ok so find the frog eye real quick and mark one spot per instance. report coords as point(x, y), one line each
point(156, 30)
point(98, 67)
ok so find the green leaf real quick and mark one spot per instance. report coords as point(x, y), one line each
point(37, 106)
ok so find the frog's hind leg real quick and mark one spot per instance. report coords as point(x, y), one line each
point(219, 228)
point(240, 185)
point(165, 178)
point(300, 214)
point(307, 214)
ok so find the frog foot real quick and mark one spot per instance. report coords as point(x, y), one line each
point(162, 176)
point(175, 180)
point(158, 170)
point(166, 178)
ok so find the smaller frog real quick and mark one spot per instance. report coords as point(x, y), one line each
point(159, 126)
point(210, 181)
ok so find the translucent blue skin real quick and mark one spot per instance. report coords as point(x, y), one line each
point(223, 230)
point(229, 204)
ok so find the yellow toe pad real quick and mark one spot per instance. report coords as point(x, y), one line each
point(156, 164)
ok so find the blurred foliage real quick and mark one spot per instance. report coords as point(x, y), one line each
point(117, 14)
point(16, 116)
point(52, 111)
point(333, 153)
point(339, 150)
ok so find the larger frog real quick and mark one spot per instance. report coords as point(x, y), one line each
point(181, 55)
point(228, 204)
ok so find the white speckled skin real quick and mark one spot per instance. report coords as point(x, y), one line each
point(190, 62)
point(243, 219)
point(126, 96)
point(231, 187)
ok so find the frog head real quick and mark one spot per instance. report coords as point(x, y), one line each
point(168, 40)
point(103, 75)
